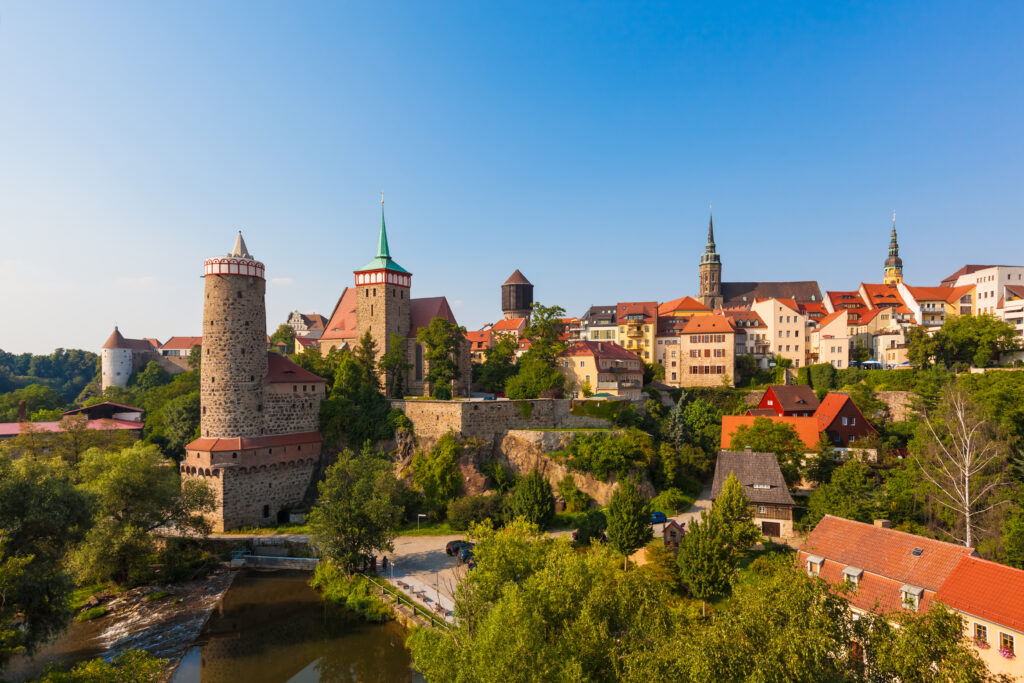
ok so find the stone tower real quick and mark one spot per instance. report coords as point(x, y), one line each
point(516, 296)
point(382, 296)
point(234, 359)
point(711, 271)
point(893, 264)
point(115, 361)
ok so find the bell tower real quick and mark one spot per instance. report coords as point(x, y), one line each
point(711, 271)
point(893, 263)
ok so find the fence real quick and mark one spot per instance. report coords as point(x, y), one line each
point(403, 599)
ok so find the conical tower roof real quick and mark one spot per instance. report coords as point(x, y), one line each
point(517, 278)
point(115, 340)
point(710, 254)
point(240, 250)
point(383, 259)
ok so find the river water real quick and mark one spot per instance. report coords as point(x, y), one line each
point(271, 627)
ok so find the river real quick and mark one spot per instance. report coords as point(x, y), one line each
point(271, 627)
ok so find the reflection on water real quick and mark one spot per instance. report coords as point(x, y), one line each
point(272, 627)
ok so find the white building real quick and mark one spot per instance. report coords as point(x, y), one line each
point(989, 281)
point(786, 332)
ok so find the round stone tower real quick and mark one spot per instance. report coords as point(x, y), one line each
point(115, 361)
point(234, 360)
point(516, 296)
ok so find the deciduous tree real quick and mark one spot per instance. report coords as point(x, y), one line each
point(629, 519)
point(444, 341)
point(533, 500)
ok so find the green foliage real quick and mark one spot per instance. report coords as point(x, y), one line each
point(653, 372)
point(732, 512)
point(706, 563)
point(671, 502)
point(135, 492)
point(767, 436)
point(351, 592)
point(859, 353)
point(324, 366)
point(152, 376)
point(501, 364)
point(575, 500)
point(436, 472)
point(37, 397)
point(395, 366)
point(66, 371)
point(365, 357)
point(357, 512)
point(537, 378)
point(778, 371)
point(462, 512)
point(284, 333)
point(602, 410)
point(131, 666)
point(703, 422)
point(503, 477)
point(1013, 539)
point(978, 340)
point(586, 389)
point(545, 331)
point(180, 418)
point(443, 341)
point(822, 376)
point(93, 613)
point(629, 518)
point(533, 500)
point(591, 526)
point(606, 454)
point(355, 411)
point(849, 494)
point(42, 514)
point(525, 409)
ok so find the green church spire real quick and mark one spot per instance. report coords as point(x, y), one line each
point(382, 243)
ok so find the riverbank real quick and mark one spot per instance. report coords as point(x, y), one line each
point(164, 620)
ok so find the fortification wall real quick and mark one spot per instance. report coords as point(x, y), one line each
point(291, 413)
point(488, 420)
point(898, 403)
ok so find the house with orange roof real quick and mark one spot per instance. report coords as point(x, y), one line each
point(479, 344)
point(841, 421)
point(886, 571)
point(990, 283)
point(340, 330)
point(932, 305)
point(638, 327)
point(787, 329)
point(684, 306)
point(844, 301)
point(668, 350)
point(708, 352)
point(604, 367)
point(515, 327)
point(990, 598)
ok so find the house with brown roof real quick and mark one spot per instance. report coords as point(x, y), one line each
point(638, 327)
point(605, 367)
point(990, 283)
point(306, 324)
point(765, 488)
point(886, 570)
point(841, 421)
point(990, 598)
point(751, 334)
point(797, 400)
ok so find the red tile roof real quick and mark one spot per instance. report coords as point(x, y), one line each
point(422, 311)
point(885, 552)
point(812, 309)
point(806, 427)
point(342, 324)
point(240, 443)
point(517, 278)
point(509, 325)
point(117, 341)
point(15, 428)
point(832, 316)
point(478, 336)
point(882, 294)
point(648, 309)
point(742, 318)
point(830, 407)
point(609, 350)
point(840, 299)
point(1016, 290)
point(950, 280)
point(280, 369)
point(987, 590)
point(306, 342)
point(182, 342)
point(685, 303)
point(947, 294)
point(709, 324)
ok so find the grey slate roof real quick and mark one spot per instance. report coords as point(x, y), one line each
point(742, 294)
point(752, 468)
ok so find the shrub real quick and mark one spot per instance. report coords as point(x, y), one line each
point(463, 511)
point(352, 593)
point(575, 500)
point(92, 613)
point(671, 501)
point(525, 409)
point(504, 478)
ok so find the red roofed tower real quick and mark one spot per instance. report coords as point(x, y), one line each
point(516, 296)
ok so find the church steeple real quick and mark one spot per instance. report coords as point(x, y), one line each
point(382, 241)
point(711, 270)
point(893, 264)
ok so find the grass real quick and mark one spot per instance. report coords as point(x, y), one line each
point(153, 597)
point(81, 595)
point(92, 613)
point(745, 575)
point(268, 530)
point(428, 529)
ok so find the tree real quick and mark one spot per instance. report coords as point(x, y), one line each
point(394, 366)
point(443, 340)
point(536, 378)
point(921, 347)
point(767, 436)
point(181, 422)
point(653, 372)
point(575, 500)
point(284, 333)
point(545, 331)
point(586, 389)
point(732, 510)
point(500, 364)
point(849, 494)
point(357, 512)
point(42, 514)
point(963, 461)
point(135, 491)
point(152, 376)
point(703, 424)
point(36, 397)
point(629, 519)
point(859, 353)
point(1013, 539)
point(365, 357)
point(706, 562)
point(591, 526)
point(436, 472)
point(533, 500)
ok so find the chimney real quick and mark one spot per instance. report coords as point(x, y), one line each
point(22, 411)
point(600, 346)
point(748, 449)
point(883, 524)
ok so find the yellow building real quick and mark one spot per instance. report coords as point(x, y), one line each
point(638, 327)
point(604, 367)
point(932, 305)
point(708, 352)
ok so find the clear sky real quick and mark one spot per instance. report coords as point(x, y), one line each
point(579, 142)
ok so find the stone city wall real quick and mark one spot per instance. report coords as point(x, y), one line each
point(287, 412)
point(488, 420)
point(898, 403)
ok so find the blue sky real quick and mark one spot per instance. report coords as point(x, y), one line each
point(579, 142)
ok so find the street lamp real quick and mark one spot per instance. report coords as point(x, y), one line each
point(418, 517)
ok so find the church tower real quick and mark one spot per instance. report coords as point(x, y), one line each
point(382, 295)
point(234, 351)
point(711, 271)
point(893, 264)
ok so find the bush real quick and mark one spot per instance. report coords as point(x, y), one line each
point(575, 500)
point(352, 593)
point(591, 526)
point(463, 511)
point(92, 613)
point(504, 478)
point(671, 501)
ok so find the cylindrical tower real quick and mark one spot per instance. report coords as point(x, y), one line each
point(115, 361)
point(234, 360)
point(516, 296)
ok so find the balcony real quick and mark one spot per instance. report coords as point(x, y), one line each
point(634, 332)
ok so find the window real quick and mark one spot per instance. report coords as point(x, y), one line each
point(761, 510)
point(853, 421)
point(911, 596)
point(581, 364)
point(1006, 642)
point(814, 563)
point(981, 633)
point(845, 421)
point(266, 511)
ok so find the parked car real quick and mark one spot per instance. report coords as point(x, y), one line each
point(454, 547)
point(466, 555)
point(658, 517)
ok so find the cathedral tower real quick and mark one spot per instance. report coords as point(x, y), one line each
point(516, 296)
point(382, 293)
point(234, 360)
point(711, 271)
point(893, 264)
